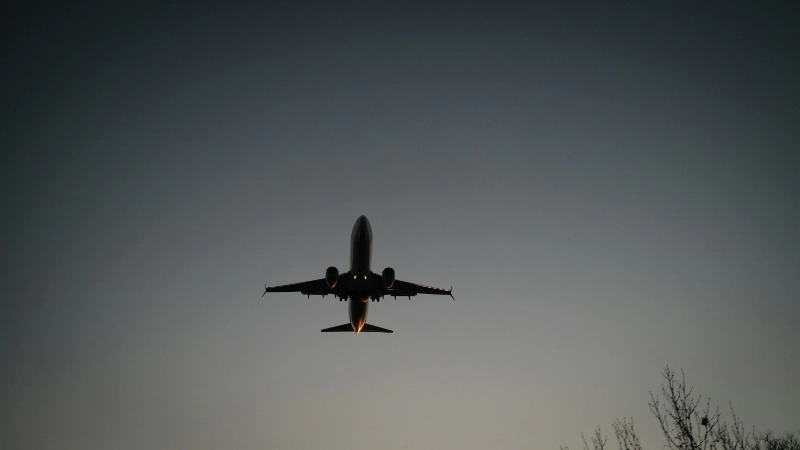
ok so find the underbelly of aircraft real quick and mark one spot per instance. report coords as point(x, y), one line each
point(358, 307)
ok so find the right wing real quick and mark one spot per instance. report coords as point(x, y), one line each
point(313, 287)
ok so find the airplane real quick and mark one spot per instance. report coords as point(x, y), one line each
point(359, 284)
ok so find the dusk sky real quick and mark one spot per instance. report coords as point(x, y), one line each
point(609, 189)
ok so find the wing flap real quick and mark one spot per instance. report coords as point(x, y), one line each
point(314, 287)
point(406, 289)
point(306, 286)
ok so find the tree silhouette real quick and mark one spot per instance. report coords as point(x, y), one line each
point(690, 424)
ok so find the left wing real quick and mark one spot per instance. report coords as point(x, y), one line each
point(406, 289)
point(313, 287)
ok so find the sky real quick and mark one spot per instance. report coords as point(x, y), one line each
point(609, 188)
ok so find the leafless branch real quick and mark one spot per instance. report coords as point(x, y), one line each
point(626, 436)
point(598, 441)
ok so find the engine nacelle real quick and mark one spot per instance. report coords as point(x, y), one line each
point(387, 276)
point(332, 276)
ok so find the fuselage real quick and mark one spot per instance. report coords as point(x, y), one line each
point(360, 258)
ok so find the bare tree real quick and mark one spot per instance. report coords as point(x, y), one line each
point(767, 441)
point(688, 423)
point(684, 425)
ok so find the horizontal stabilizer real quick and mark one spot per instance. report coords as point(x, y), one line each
point(373, 329)
point(347, 328)
point(341, 328)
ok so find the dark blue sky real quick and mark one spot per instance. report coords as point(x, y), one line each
point(609, 189)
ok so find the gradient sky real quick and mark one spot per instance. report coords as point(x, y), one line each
point(608, 189)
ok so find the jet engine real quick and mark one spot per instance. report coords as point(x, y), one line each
point(332, 276)
point(388, 277)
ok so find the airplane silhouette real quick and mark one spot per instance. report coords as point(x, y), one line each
point(359, 284)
